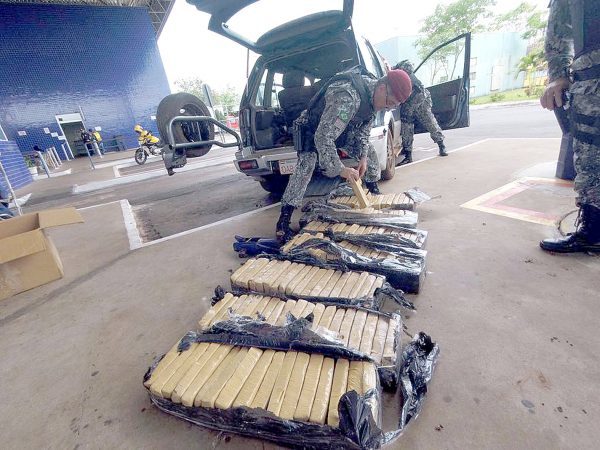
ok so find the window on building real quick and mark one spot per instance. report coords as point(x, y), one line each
point(472, 76)
point(2, 135)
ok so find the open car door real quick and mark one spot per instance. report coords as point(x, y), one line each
point(273, 40)
point(445, 73)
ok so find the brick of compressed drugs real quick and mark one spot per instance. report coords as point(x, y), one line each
point(319, 274)
point(274, 316)
point(318, 287)
point(244, 274)
point(291, 287)
point(355, 377)
point(249, 308)
point(263, 395)
point(299, 289)
point(369, 382)
point(169, 357)
point(309, 388)
point(286, 278)
point(366, 343)
point(357, 329)
point(250, 386)
point(187, 379)
point(214, 310)
point(360, 283)
point(350, 284)
point(208, 394)
point(188, 397)
point(167, 389)
point(298, 308)
point(255, 283)
point(320, 406)
point(282, 382)
point(309, 308)
point(338, 388)
point(271, 305)
point(317, 314)
point(379, 339)
point(389, 349)
point(269, 275)
point(346, 326)
point(328, 287)
point(338, 318)
point(368, 288)
point(167, 373)
point(327, 317)
point(240, 375)
point(335, 292)
point(289, 305)
point(294, 387)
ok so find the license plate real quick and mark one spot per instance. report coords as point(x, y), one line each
point(287, 166)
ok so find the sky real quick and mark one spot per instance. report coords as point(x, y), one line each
point(188, 49)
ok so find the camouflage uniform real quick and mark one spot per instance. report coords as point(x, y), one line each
point(418, 109)
point(585, 98)
point(342, 102)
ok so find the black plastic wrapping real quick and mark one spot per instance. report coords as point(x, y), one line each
point(393, 243)
point(418, 362)
point(405, 271)
point(341, 214)
point(295, 335)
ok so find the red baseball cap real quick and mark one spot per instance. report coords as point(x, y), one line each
point(400, 84)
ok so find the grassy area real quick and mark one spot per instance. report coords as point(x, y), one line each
point(508, 96)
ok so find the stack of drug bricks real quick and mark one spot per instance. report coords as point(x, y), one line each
point(289, 396)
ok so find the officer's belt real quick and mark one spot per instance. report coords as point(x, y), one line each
point(587, 74)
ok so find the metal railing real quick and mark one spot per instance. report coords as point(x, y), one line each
point(195, 122)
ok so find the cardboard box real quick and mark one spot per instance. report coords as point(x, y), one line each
point(28, 258)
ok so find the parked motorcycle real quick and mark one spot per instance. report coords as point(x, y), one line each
point(145, 150)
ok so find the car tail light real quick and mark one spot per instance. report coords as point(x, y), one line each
point(248, 165)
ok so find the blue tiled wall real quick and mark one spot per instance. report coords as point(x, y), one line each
point(55, 59)
point(14, 165)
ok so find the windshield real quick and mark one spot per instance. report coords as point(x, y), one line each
point(260, 17)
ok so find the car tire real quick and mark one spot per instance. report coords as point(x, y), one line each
point(274, 184)
point(390, 165)
point(184, 104)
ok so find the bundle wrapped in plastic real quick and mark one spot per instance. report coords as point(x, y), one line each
point(344, 195)
point(404, 268)
point(314, 280)
point(391, 218)
point(321, 397)
point(375, 334)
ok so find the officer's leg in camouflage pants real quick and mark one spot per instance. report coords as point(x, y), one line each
point(426, 118)
point(294, 192)
point(587, 148)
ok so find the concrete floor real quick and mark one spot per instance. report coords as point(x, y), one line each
point(517, 327)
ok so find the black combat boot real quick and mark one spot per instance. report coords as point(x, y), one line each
point(407, 158)
point(442, 149)
point(586, 237)
point(372, 187)
point(283, 231)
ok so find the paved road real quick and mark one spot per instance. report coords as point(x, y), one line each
point(168, 205)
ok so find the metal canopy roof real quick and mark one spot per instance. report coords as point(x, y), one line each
point(157, 9)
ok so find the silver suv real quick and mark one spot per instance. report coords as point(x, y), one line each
point(295, 60)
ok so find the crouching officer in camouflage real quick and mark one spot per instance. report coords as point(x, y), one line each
point(417, 109)
point(573, 53)
point(340, 115)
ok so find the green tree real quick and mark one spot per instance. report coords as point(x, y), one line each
point(447, 22)
point(228, 98)
point(192, 85)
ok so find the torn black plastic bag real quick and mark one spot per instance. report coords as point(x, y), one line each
point(399, 219)
point(295, 335)
point(418, 362)
point(405, 270)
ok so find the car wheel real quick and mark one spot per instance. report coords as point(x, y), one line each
point(184, 104)
point(275, 184)
point(390, 165)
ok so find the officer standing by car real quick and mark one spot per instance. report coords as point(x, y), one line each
point(417, 109)
point(573, 54)
point(341, 114)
